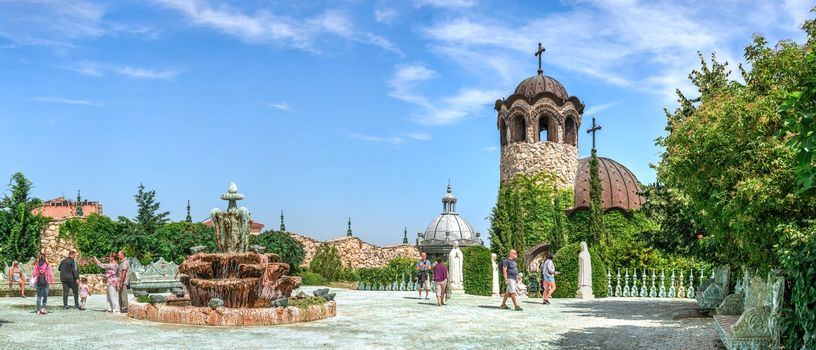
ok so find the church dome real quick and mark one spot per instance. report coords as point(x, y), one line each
point(447, 228)
point(621, 189)
point(539, 83)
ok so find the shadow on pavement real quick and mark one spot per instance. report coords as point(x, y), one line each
point(638, 337)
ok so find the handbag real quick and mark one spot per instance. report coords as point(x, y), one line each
point(32, 282)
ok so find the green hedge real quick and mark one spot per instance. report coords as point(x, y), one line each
point(397, 270)
point(308, 278)
point(566, 262)
point(477, 270)
point(282, 243)
point(327, 263)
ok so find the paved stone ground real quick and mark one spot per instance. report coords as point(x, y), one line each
point(382, 320)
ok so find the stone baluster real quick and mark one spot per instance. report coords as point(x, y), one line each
point(644, 292)
point(702, 279)
point(635, 281)
point(609, 291)
point(653, 290)
point(361, 285)
point(626, 287)
point(681, 291)
point(690, 291)
point(672, 290)
point(662, 293)
point(618, 292)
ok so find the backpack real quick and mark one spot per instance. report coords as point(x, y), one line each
point(41, 279)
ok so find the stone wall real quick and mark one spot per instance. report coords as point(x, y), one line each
point(55, 249)
point(357, 253)
point(530, 158)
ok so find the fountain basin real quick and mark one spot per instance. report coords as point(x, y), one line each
point(224, 316)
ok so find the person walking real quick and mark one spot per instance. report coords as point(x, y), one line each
point(17, 276)
point(69, 276)
point(510, 273)
point(423, 266)
point(124, 282)
point(112, 280)
point(440, 276)
point(548, 274)
point(41, 273)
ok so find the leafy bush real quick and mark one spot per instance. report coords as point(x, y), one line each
point(306, 302)
point(798, 257)
point(326, 262)
point(398, 270)
point(308, 278)
point(282, 243)
point(477, 270)
point(94, 235)
point(349, 274)
point(175, 239)
point(566, 261)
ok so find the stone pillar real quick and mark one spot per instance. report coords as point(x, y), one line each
point(54, 249)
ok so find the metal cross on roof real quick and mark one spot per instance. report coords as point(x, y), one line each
point(540, 53)
point(593, 129)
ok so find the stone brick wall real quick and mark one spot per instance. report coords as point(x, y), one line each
point(533, 158)
point(357, 253)
point(55, 250)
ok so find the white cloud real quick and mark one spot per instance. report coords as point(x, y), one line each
point(419, 136)
point(62, 100)
point(393, 140)
point(405, 82)
point(280, 105)
point(446, 3)
point(594, 109)
point(265, 27)
point(385, 15)
point(144, 73)
point(642, 46)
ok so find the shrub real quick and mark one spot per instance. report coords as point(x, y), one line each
point(566, 261)
point(282, 243)
point(798, 258)
point(306, 302)
point(326, 262)
point(477, 270)
point(398, 270)
point(93, 236)
point(175, 239)
point(308, 278)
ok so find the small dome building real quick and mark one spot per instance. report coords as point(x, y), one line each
point(448, 227)
point(619, 187)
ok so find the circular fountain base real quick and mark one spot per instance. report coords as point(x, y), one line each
point(222, 316)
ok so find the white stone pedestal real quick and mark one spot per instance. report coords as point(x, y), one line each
point(585, 292)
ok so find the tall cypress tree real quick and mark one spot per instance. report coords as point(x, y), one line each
point(597, 232)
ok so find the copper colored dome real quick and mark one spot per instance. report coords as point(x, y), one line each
point(541, 83)
point(620, 187)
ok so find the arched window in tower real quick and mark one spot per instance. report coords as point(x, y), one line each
point(518, 129)
point(546, 129)
point(502, 132)
point(570, 132)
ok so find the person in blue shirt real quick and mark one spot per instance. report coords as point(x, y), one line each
point(423, 266)
point(510, 272)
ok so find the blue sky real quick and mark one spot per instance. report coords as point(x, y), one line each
point(335, 109)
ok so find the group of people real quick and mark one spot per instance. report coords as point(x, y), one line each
point(510, 272)
point(116, 280)
point(440, 277)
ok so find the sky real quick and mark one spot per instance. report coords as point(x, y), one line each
point(330, 110)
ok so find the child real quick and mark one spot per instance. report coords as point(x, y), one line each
point(84, 292)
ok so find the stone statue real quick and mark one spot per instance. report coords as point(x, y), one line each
point(495, 275)
point(455, 270)
point(584, 274)
point(521, 288)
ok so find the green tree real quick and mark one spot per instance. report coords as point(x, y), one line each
point(326, 262)
point(282, 243)
point(140, 236)
point(174, 240)
point(725, 154)
point(94, 235)
point(19, 227)
point(598, 237)
point(799, 110)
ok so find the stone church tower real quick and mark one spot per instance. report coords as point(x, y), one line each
point(538, 129)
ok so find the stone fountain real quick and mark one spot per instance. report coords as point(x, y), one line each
point(238, 277)
point(237, 286)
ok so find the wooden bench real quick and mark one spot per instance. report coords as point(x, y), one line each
point(712, 291)
point(27, 267)
point(751, 323)
point(158, 276)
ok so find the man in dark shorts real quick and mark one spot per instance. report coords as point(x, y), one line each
point(69, 276)
point(423, 266)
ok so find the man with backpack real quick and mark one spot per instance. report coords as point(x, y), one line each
point(69, 276)
point(41, 273)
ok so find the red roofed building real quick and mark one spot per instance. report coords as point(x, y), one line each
point(60, 208)
point(254, 228)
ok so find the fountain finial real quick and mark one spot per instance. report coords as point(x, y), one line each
point(232, 196)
